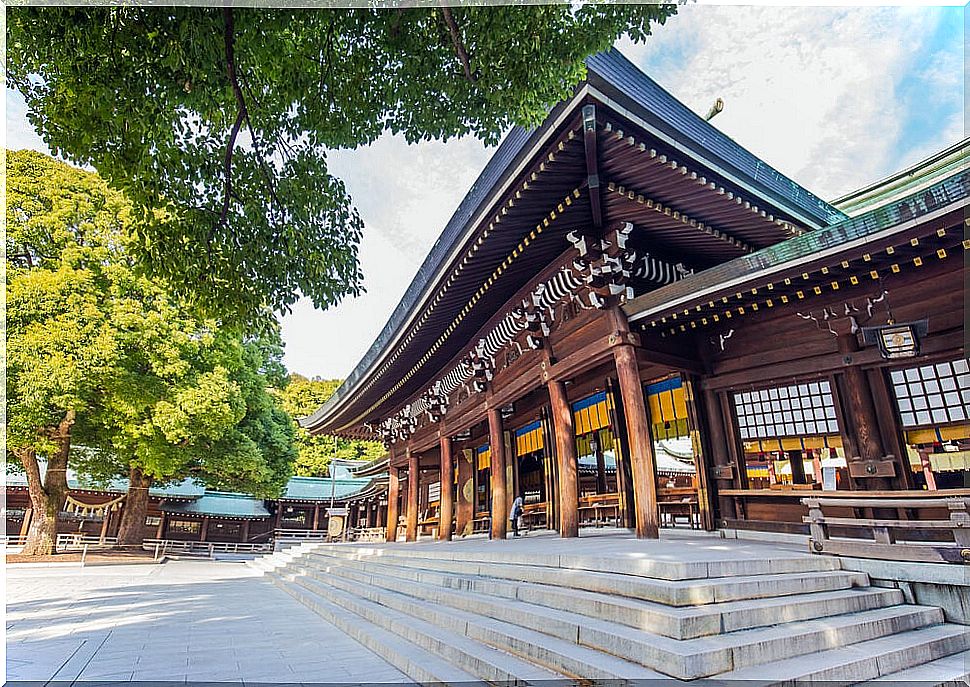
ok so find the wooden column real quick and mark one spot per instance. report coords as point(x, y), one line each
point(316, 516)
point(568, 483)
point(279, 514)
point(105, 519)
point(465, 511)
point(205, 528)
point(447, 490)
point(411, 522)
point(25, 525)
point(393, 495)
point(641, 445)
point(496, 445)
point(860, 417)
point(724, 473)
point(245, 531)
point(160, 533)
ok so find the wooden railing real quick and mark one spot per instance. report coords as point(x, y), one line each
point(202, 548)
point(889, 538)
point(76, 542)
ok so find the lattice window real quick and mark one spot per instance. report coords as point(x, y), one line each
point(799, 410)
point(933, 394)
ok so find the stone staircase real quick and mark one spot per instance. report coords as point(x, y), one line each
point(451, 615)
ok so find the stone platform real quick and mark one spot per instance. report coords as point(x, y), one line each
point(691, 607)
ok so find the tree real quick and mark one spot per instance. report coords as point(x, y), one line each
point(301, 397)
point(100, 354)
point(223, 117)
point(61, 347)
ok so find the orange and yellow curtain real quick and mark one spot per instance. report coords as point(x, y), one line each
point(529, 439)
point(484, 454)
point(592, 413)
point(668, 408)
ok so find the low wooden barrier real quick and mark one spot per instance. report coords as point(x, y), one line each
point(887, 538)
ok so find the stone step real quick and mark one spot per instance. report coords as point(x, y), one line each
point(684, 659)
point(453, 643)
point(563, 656)
point(681, 593)
point(949, 671)
point(421, 666)
point(912, 653)
point(687, 565)
point(676, 622)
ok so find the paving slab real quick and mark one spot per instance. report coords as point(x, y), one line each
point(196, 621)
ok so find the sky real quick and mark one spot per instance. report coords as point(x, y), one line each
point(833, 97)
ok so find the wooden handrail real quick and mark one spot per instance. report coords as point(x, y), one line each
point(882, 543)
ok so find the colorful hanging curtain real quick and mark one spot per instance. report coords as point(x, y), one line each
point(529, 439)
point(72, 505)
point(592, 413)
point(668, 408)
point(484, 457)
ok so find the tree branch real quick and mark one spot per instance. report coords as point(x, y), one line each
point(457, 42)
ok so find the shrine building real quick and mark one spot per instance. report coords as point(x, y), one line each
point(632, 320)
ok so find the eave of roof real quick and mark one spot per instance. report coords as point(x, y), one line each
point(221, 505)
point(617, 80)
point(908, 181)
point(948, 193)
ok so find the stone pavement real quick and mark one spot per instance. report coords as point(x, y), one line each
point(180, 621)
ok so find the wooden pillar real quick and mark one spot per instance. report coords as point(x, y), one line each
point(641, 445)
point(25, 525)
point(205, 528)
point(724, 472)
point(393, 495)
point(411, 522)
point(568, 487)
point(447, 490)
point(245, 531)
point(465, 511)
point(860, 417)
point(105, 519)
point(160, 533)
point(316, 516)
point(279, 514)
point(701, 445)
point(496, 445)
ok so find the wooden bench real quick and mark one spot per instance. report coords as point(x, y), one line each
point(885, 536)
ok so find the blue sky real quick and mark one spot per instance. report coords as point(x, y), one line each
point(834, 97)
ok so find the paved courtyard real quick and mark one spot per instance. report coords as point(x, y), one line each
point(181, 621)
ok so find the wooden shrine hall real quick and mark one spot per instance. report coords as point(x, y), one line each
point(632, 320)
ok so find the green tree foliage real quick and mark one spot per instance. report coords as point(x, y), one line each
point(302, 396)
point(223, 117)
point(102, 356)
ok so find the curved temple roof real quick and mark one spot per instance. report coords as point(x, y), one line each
point(382, 380)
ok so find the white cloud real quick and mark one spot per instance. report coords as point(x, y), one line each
point(812, 91)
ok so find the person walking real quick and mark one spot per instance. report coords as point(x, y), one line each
point(515, 515)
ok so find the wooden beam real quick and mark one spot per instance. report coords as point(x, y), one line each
point(393, 496)
point(496, 446)
point(592, 165)
point(414, 476)
point(447, 490)
point(568, 483)
point(642, 462)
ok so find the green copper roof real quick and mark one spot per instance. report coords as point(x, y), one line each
point(322, 488)
point(221, 504)
point(942, 194)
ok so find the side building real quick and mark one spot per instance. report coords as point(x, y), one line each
point(631, 319)
point(188, 512)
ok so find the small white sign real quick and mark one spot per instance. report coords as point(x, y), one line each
point(828, 479)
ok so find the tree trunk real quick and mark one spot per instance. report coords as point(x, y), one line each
point(131, 530)
point(47, 495)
